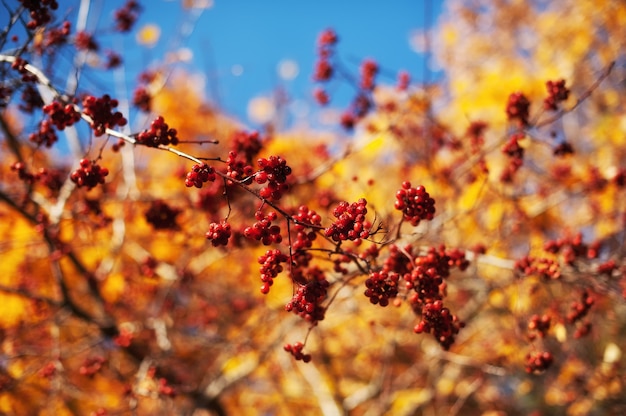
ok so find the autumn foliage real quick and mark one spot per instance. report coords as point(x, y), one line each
point(450, 248)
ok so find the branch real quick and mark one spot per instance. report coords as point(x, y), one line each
point(580, 99)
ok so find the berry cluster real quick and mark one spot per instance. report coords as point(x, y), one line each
point(274, 171)
point(476, 134)
point(126, 16)
point(538, 362)
point(248, 144)
point(323, 68)
point(351, 223)
point(60, 115)
point(381, 286)
point(158, 134)
point(124, 338)
point(538, 325)
point(54, 37)
point(89, 174)
point(45, 135)
point(404, 80)
point(546, 268)
point(557, 92)
point(91, 366)
point(142, 99)
point(38, 11)
point(517, 108)
point(369, 69)
point(305, 221)
point(19, 65)
point(163, 388)
point(22, 172)
point(161, 216)
point(321, 96)
point(271, 266)
point(263, 230)
point(296, 350)
point(218, 233)
point(101, 112)
point(579, 309)
point(31, 100)
point(85, 41)
point(113, 60)
point(238, 169)
point(307, 300)
point(199, 175)
point(572, 248)
point(515, 152)
point(415, 203)
point(439, 321)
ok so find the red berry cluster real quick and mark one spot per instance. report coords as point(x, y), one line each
point(538, 362)
point(369, 69)
point(415, 203)
point(91, 366)
point(126, 16)
point(439, 321)
point(162, 216)
point(165, 389)
point(557, 92)
point(306, 302)
point(351, 223)
point(54, 37)
point(538, 325)
point(19, 65)
point(101, 112)
point(60, 115)
point(427, 274)
point(572, 248)
point(219, 233)
point(296, 350)
point(142, 99)
point(274, 171)
point(404, 80)
point(38, 11)
point(323, 67)
point(89, 174)
point(114, 60)
point(45, 135)
point(546, 268)
point(607, 267)
point(579, 309)
point(517, 108)
point(199, 175)
point(476, 134)
point(124, 338)
point(263, 230)
point(271, 266)
point(321, 96)
point(305, 221)
point(85, 41)
point(48, 371)
point(22, 172)
point(158, 134)
point(31, 100)
point(381, 286)
point(515, 152)
point(247, 144)
point(238, 169)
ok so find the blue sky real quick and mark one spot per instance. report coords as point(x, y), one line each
point(238, 44)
